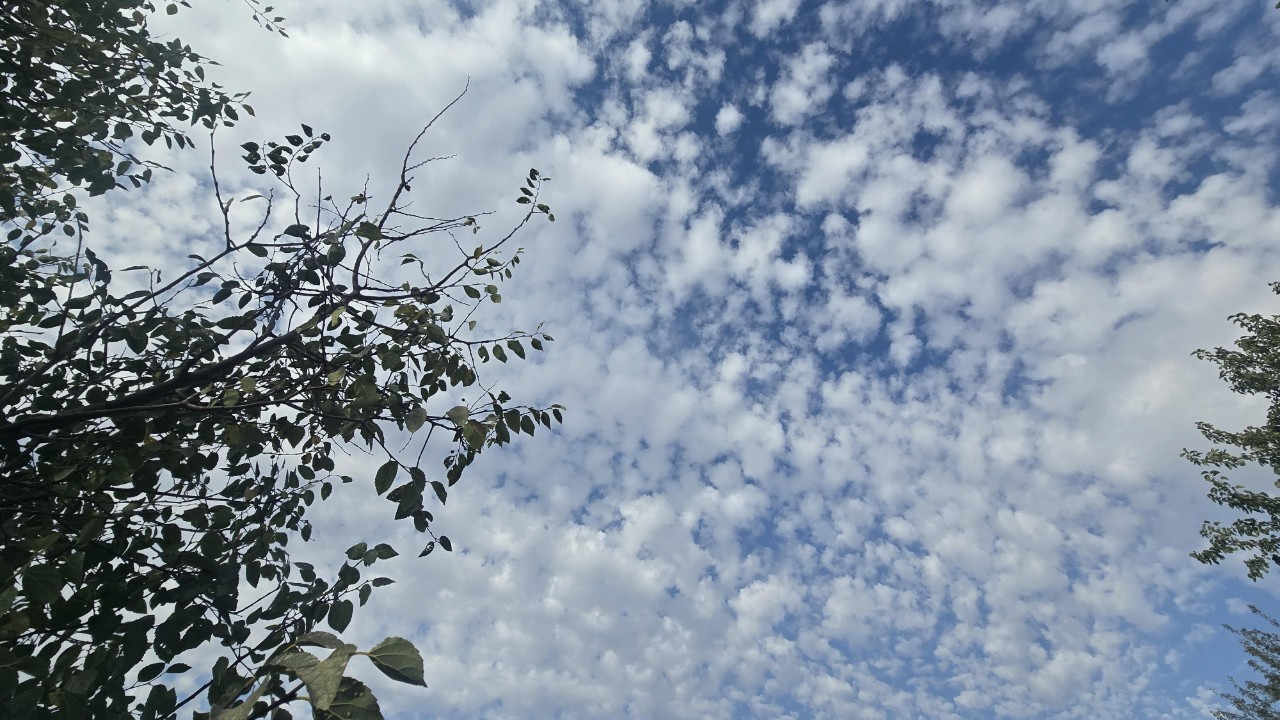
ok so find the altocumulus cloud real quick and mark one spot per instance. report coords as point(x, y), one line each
point(873, 319)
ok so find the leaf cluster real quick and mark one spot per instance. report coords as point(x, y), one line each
point(1256, 700)
point(1252, 368)
point(78, 82)
point(161, 445)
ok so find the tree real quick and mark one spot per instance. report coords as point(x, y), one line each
point(160, 444)
point(79, 79)
point(1252, 369)
point(1256, 700)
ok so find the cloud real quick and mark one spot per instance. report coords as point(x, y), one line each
point(804, 86)
point(728, 119)
point(768, 16)
point(874, 411)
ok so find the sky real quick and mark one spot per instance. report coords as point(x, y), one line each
point(873, 323)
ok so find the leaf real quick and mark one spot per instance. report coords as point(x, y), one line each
point(42, 584)
point(355, 701)
point(440, 491)
point(298, 231)
point(295, 660)
point(340, 615)
point(458, 414)
point(474, 434)
point(325, 677)
point(320, 638)
point(355, 551)
point(446, 543)
point(399, 660)
point(369, 231)
point(244, 709)
point(516, 348)
point(150, 672)
point(427, 550)
point(386, 475)
point(385, 551)
point(416, 419)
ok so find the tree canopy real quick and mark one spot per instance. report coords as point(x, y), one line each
point(1256, 699)
point(1253, 368)
point(162, 438)
point(78, 80)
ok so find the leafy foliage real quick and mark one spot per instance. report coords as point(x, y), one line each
point(155, 457)
point(78, 80)
point(162, 439)
point(160, 446)
point(1256, 700)
point(1252, 369)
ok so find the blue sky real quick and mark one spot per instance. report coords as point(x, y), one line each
point(874, 324)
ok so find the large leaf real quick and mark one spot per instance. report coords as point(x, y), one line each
point(325, 677)
point(321, 638)
point(355, 701)
point(398, 659)
point(386, 475)
point(244, 709)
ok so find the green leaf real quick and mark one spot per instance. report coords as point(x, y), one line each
point(295, 660)
point(355, 551)
point(471, 291)
point(458, 414)
point(516, 348)
point(320, 638)
point(244, 709)
point(42, 584)
point(386, 475)
point(355, 701)
point(340, 615)
point(415, 419)
point(369, 231)
point(385, 551)
point(446, 543)
point(325, 677)
point(399, 660)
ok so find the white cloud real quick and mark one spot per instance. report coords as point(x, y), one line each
point(769, 15)
point(878, 416)
point(728, 119)
point(804, 86)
